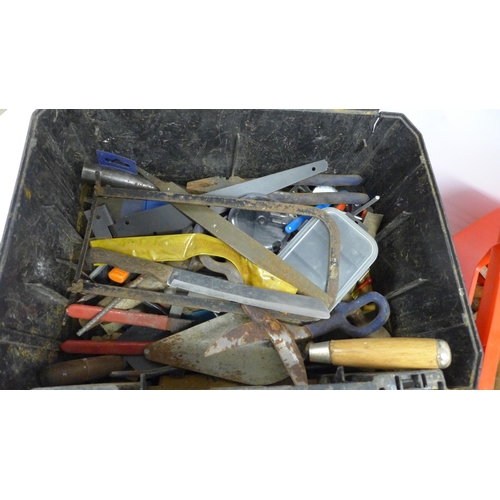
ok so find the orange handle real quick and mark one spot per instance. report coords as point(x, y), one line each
point(118, 275)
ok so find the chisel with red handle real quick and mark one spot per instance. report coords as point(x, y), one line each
point(157, 321)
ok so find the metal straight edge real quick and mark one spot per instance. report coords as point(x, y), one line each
point(209, 222)
point(197, 303)
point(273, 182)
point(159, 219)
point(249, 295)
point(214, 287)
point(196, 207)
point(86, 238)
point(242, 242)
point(102, 222)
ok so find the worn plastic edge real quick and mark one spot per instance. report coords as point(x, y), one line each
point(363, 112)
point(425, 161)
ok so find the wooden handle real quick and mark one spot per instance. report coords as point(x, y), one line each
point(383, 353)
point(80, 371)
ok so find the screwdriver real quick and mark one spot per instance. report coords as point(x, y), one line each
point(125, 317)
point(298, 221)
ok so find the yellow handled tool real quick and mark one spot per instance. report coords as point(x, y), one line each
point(396, 353)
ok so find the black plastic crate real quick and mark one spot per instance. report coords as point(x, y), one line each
point(417, 269)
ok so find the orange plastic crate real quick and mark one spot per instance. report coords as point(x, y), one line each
point(477, 246)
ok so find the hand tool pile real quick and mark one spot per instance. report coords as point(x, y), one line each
point(229, 278)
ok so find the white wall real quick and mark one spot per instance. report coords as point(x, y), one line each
point(13, 130)
point(464, 151)
point(463, 147)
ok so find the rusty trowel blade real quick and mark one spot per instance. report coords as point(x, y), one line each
point(240, 336)
point(248, 333)
point(254, 364)
point(283, 341)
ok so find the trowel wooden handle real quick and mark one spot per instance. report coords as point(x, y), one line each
point(383, 353)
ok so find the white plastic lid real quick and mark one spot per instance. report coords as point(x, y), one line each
point(308, 252)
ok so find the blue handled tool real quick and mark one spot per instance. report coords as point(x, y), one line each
point(116, 161)
point(298, 221)
point(248, 333)
point(338, 318)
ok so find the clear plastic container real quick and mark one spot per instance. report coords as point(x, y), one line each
point(308, 252)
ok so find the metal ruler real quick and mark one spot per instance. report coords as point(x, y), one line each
point(168, 219)
point(214, 287)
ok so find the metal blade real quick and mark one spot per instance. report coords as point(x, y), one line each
point(102, 221)
point(273, 182)
point(196, 208)
point(249, 333)
point(192, 302)
point(283, 342)
point(115, 178)
point(253, 296)
point(290, 354)
point(301, 305)
point(256, 364)
point(168, 219)
point(275, 331)
point(161, 220)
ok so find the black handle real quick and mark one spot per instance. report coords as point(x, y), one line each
point(338, 318)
